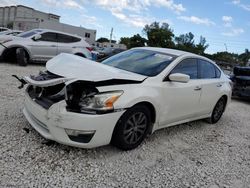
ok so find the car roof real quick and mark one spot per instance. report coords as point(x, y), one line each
point(167, 51)
point(174, 52)
point(50, 30)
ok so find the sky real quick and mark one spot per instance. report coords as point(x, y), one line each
point(224, 23)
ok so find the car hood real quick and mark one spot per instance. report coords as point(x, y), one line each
point(75, 67)
point(11, 37)
point(6, 37)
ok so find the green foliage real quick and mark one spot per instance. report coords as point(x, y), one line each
point(232, 58)
point(186, 42)
point(103, 39)
point(135, 41)
point(163, 36)
point(159, 35)
point(201, 46)
point(245, 57)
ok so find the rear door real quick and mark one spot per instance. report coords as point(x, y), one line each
point(181, 99)
point(209, 75)
point(66, 43)
point(46, 47)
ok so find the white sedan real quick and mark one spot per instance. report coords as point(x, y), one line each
point(86, 104)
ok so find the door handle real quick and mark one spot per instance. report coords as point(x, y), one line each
point(197, 88)
point(53, 46)
point(219, 85)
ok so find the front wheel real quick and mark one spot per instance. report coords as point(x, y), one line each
point(131, 128)
point(218, 111)
point(22, 57)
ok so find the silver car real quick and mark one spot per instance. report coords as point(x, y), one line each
point(41, 45)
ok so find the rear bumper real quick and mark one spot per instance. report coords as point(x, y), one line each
point(51, 123)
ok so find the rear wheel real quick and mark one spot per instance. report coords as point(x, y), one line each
point(131, 128)
point(218, 111)
point(22, 57)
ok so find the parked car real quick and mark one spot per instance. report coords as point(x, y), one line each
point(42, 45)
point(108, 52)
point(241, 82)
point(87, 104)
point(10, 32)
point(3, 29)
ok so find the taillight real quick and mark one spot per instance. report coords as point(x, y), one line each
point(89, 48)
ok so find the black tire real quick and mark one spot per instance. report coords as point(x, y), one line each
point(131, 128)
point(22, 57)
point(217, 111)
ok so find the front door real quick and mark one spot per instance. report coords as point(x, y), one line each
point(44, 48)
point(181, 100)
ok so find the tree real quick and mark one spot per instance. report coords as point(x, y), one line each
point(102, 39)
point(202, 46)
point(125, 40)
point(245, 57)
point(226, 57)
point(135, 41)
point(185, 42)
point(159, 36)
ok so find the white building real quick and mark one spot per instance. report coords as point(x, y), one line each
point(25, 18)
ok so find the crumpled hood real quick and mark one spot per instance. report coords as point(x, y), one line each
point(72, 66)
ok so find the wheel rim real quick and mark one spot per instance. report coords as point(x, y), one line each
point(135, 128)
point(218, 111)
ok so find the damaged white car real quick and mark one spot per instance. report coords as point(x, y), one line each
point(87, 104)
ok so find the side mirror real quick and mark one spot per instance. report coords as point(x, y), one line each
point(37, 37)
point(179, 77)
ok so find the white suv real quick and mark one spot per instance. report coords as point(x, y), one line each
point(42, 45)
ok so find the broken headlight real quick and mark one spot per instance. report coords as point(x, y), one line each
point(98, 102)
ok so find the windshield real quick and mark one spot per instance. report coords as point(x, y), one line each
point(145, 62)
point(29, 33)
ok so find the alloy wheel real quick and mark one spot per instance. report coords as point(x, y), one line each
point(135, 128)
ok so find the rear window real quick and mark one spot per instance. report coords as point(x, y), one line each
point(145, 62)
point(207, 69)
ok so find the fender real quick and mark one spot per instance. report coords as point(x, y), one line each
point(18, 46)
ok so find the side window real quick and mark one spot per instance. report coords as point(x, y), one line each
point(75, 39)
point(48, 36)
point(187, 66)
point(207, 69)
point(64, 38)
point(67, 38)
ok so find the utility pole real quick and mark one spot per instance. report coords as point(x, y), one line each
point(225, 46)
point(111, 34)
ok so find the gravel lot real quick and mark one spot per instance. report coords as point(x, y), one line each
point(196, 154)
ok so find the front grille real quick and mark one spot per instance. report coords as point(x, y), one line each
point(46, 96)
